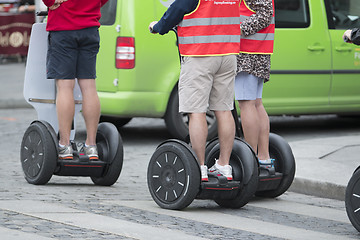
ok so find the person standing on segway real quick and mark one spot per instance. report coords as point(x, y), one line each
point(352, 36)
point(73, 47)
point(257, 41)
point(209, 40)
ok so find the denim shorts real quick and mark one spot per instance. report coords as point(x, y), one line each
point(248, 86)
point(72, 54)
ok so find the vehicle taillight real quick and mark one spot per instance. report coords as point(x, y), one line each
point(125, 52)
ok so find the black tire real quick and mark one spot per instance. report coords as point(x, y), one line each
point(110, 149)
point(117, 121)
point(245, 170)
point(352, 199)
point(284, 163)
point(173, 175)
point(38, 154)
point(178, 123)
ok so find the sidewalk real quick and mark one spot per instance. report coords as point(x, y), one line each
point(323, 165)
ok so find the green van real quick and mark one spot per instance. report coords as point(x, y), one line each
point(313, 70)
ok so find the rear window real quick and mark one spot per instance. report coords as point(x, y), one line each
point(108, 13)
point(292, 14)
point(343, 14)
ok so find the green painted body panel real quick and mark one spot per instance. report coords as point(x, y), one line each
point(306, 68)
point(145, 89)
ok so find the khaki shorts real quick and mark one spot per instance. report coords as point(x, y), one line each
point(207, 82)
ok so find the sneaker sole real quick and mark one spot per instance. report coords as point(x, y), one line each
point(66, 158)
point(94, 158)
point(205, 179)
point(219, 174)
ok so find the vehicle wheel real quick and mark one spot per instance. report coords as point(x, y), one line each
point(284, 163)
point(178, 123)
point(352, 199)
point(38, 154)
point(173, 175)
point(245, 170)
point(117, 121)
point(110, 149)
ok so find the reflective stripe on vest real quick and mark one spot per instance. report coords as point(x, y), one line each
point(211, 29)
point(261, 42)
point(209, 21)
point(210, 39)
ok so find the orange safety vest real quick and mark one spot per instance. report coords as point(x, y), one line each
point(261, 42)
point(212, 29)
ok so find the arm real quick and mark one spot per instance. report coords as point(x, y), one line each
point(261, 19)
point(26, 8)
point(355, 36)
point(173, 15)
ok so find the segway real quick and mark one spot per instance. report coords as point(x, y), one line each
point(39, 147)
point(174, 177)
point(352, 199)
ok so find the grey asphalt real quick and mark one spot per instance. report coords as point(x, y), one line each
point(323, 165)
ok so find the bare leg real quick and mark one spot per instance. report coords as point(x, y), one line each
point(198, 133)
point(226, 130)
point(250, 122)
point(264, 129)
point(90, 108)
point(65, 108)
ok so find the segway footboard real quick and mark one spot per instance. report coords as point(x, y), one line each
point(80, 167)
point(218, 187)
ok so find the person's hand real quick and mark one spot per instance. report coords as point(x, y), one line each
point(57, 4)
point(151, 27)
point(347, 36)
point(26, 8)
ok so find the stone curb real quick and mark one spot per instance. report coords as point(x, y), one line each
point(318, 188)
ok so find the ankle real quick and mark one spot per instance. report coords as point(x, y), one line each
point(63, 144)
point(220, 164)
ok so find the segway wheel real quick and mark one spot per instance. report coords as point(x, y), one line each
point(38, 154)
point(245, 170)
point(173, 175)
point(110, 150)
point(352, 199)
point(280, 150)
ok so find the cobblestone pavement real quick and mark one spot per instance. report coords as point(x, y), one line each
point(74, 208)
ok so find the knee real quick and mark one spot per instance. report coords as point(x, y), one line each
point(244, 104)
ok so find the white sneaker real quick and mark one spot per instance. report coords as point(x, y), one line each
point(226, 170)
point(204, 173)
